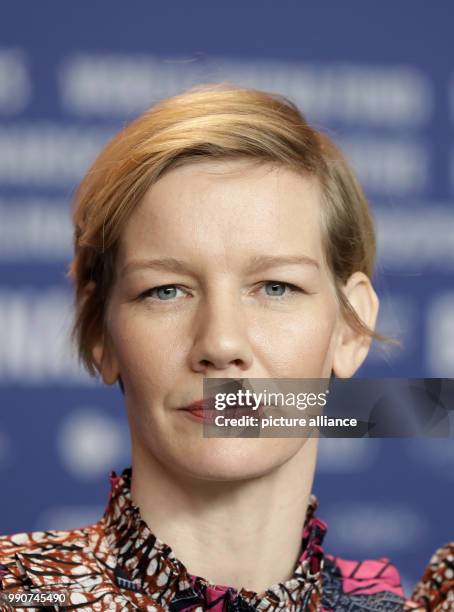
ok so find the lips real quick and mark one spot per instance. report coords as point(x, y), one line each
point(208, 404)
point(205, 410)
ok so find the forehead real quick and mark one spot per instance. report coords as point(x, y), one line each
point(216, 207)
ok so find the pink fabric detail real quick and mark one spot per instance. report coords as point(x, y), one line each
point(114, 479)
point(314, 521)
point(370, 576)
point(317, 555)
point(321, 523)
point(213, 592)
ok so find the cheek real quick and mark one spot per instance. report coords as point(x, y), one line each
point(299, 346)
point(148, 352)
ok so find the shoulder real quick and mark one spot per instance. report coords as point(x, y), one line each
point(372, 584)
point(435, 590)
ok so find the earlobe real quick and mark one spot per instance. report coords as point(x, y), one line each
point(105, 362)
point(353, 345)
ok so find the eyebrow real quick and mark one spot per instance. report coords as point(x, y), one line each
point(257, 263)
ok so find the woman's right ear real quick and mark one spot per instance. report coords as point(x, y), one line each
point(105, 361)
point(102, 354)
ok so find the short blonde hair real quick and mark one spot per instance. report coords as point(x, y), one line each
point(219, 121)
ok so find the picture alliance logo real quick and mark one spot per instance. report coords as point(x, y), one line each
point(245, 398)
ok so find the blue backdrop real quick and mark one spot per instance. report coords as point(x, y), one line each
point(379, 77)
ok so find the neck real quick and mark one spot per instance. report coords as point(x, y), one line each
point(229, 532)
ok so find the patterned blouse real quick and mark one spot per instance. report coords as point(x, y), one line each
point(119, 564)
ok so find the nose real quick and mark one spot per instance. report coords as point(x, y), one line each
point(221, 340)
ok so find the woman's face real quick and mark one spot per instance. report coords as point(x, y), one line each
point(220, 274)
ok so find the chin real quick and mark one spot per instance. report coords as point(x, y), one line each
point(234, 459)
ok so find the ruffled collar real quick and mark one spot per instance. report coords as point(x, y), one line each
point(146, 564)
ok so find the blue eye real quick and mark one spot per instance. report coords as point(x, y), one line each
point(162, 293)
point(278, 289)
point(166, 292)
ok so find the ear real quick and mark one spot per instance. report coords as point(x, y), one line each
point(102, 353)
point(105, 361)
point(352, 346)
